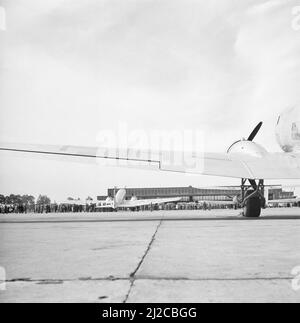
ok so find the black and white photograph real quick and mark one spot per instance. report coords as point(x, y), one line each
point(149, 153)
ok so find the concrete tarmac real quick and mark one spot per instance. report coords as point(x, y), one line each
point(161, 256)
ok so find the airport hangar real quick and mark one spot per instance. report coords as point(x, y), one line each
point(192, 194)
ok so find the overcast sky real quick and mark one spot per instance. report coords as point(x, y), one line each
point(70, 69)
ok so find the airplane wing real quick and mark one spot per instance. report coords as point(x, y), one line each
point(105, 205)
point(73, 202)
point(137, 203)
point(294, 200)
point(218, 202)
point(271, 166)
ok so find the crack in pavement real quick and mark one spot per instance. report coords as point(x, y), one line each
point(57, 281)
point(132, 276)
point(212, 278)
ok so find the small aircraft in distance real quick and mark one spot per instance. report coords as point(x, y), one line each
point(244, 159)
point(119, 201)
point(283, 201)
point(271, 202)
point(234, 199)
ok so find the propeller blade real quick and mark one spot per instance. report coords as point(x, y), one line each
point(255, 132)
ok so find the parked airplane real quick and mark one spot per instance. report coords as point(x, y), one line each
point(266, 201)
point(283, 201)
point(119, 201)
point(291, 200)
point(244, 159)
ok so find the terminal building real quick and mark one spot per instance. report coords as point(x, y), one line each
point(193, 194)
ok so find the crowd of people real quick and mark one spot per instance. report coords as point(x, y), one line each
point(27, 204)
point(46, 208)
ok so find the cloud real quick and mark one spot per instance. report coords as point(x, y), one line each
point(266, 6)
point(270, 49)
point(160, 57)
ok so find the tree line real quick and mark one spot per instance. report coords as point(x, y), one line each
point(14, 199)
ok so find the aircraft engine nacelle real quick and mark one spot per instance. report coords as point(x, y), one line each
point(288, 130)
point(248, 148)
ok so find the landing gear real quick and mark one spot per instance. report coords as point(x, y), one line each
point(252, 207)
point(252, 200)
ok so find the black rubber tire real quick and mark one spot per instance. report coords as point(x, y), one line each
point(252, 208)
